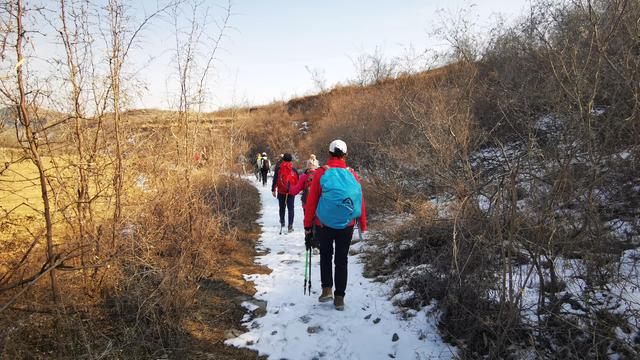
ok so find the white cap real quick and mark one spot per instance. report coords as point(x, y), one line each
point(338, 144)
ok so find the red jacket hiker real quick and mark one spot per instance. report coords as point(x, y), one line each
point(304, 182)
point(316, 190)
point(285, 179)
point(295, 189)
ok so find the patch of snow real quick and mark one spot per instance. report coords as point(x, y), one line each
point(297, 326)
point(402, 297)
point(484, 203)
point(141, 181)
point(128, 230)
point(251, 307)
point(624, 155)
point(443, 204)
point(547, 123)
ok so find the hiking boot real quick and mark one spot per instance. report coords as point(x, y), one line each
point(327, 294)
point(339, 303)
point(290, 228)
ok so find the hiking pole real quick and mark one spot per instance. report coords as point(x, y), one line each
point(306, 267)
point(310, 254)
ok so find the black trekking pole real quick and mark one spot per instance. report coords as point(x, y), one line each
point(306, 262)
point(310, 254)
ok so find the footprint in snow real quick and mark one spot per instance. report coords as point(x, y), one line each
point(289, 262)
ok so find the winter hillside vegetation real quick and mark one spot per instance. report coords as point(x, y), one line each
point(505, 185)
point(502, 188)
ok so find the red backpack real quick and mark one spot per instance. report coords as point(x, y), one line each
point(286, 177)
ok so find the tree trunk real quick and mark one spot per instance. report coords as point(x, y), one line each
point(23, 115)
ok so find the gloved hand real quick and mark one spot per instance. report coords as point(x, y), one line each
point(308, 238)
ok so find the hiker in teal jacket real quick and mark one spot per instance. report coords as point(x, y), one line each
point(341, 230)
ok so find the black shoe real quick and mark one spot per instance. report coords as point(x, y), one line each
point(290, 228)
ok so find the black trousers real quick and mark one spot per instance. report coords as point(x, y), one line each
point(286, 201)
point(342, 239)
point(263, 174)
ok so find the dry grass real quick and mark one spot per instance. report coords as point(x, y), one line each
point(174, 286)
point(148, 290)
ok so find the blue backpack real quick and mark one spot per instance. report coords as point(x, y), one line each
point(341, 198)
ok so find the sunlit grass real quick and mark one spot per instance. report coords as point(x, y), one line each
point(21, 203)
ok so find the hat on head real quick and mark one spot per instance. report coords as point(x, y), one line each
point(287, 157)
point(264, 154)
point(312, 156)
point(339, 145)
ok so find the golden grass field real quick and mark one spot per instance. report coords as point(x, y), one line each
point(19, 186)
point(21, 205)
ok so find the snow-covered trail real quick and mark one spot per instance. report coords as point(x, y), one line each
point(298, 327)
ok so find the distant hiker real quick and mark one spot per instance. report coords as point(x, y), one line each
point(334, 204)
point(257, 166)
point(312, 163)
point(265, 166)
point(285, 177)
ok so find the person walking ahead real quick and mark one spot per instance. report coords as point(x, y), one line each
point(256, 166)
point(284, 178)
point(312, 163)
point(265, 166)
point(334, 203)
point(304, 183)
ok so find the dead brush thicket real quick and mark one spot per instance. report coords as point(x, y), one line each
point(108, 258)
point(274, 126)
point(177, 241)
point(528, 152)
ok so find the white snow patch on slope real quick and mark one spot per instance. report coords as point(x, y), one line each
point(298, 327)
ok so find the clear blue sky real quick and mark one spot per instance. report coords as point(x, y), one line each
point(265, 54)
